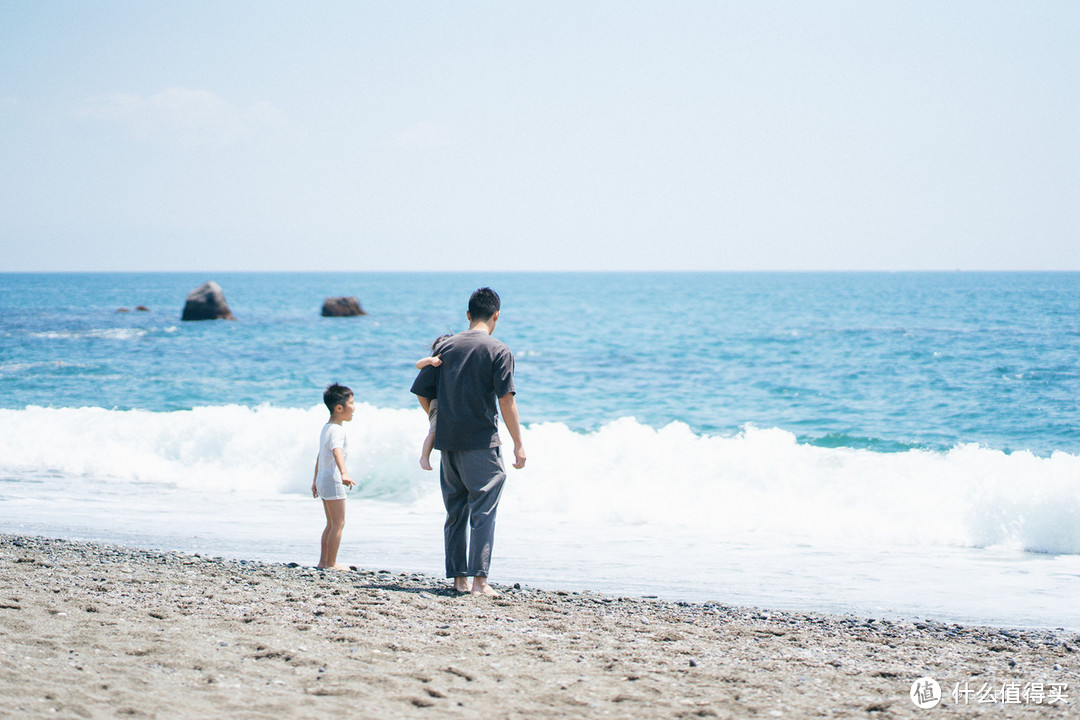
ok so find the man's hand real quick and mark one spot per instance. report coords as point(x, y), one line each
point(508, 408)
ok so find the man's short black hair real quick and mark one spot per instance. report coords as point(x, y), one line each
point(335, 395)
point(483, 304)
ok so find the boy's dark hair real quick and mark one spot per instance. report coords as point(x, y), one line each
point(483, 304)
point(335, 395)
point(439, 341)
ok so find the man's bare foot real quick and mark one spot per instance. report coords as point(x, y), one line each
point(425, 463)
point(480, 587)
point(461, 584)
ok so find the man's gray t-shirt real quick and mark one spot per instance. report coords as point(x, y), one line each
point(476, 370)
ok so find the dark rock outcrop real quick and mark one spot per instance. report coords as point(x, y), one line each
point(207, 302)
point(342, 307)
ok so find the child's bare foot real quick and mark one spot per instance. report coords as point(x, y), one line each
point(339, 566)
point(480, 587)
point(461, 584)
point(425, 463)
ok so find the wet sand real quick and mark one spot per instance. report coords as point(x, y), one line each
point(88, 630)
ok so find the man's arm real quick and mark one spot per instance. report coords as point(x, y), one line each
point(425, 385)
point(508, 408)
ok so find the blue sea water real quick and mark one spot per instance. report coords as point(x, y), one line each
point(758, 435)
point(883, 361)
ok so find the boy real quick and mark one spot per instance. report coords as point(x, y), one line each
point(331, 477)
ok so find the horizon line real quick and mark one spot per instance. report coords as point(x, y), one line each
point(543, 272)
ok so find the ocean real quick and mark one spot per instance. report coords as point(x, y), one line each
point(888, 444)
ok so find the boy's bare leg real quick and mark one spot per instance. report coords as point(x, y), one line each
point(325, 537)
point(335, 523)
point(425, 452)
point(480, 587)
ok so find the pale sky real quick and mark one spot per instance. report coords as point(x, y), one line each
point(540, 135)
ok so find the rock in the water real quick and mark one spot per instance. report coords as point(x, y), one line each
point(342, 307)
point(207, 302)
point(141, 308)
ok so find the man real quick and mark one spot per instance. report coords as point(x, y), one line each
point(476, 373)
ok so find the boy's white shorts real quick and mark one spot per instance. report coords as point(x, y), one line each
point(330, 489)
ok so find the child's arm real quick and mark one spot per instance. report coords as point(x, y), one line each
point(315, 490)
point(434, 361)
point(339, 457)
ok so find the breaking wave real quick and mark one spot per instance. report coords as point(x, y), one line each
point(759, 482)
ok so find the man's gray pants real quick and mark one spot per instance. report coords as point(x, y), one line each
point(472, 483)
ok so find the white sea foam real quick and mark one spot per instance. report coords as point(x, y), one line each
point(760, 483)
point(224, 449)
point(12, 368)
point(763, 481)
point(102, 334)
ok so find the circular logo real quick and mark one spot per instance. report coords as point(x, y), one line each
point(925, 693)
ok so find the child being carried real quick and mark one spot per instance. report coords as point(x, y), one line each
point(432, 407)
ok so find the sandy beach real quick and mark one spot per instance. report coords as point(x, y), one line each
point(89, 630)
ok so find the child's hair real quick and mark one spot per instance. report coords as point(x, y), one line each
point(335, 395)
point(439, 341)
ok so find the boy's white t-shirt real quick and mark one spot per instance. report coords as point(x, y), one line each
point(332, 436)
